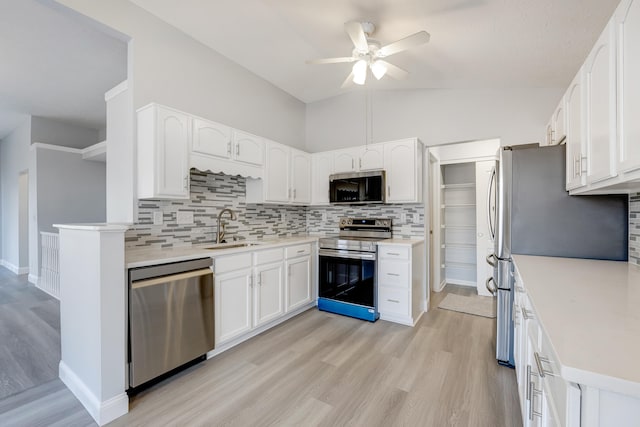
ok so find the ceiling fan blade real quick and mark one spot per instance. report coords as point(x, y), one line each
point(403, 44)
point(331, 60)
point(348, 81)
point(394, 71)
point(357, 36)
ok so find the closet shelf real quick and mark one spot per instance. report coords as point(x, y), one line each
point(459, 245)
point(458, 205)
point(459, 265)
point(462, 186)
point(459, 227)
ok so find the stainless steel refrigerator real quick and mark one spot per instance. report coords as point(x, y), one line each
point(532, 214)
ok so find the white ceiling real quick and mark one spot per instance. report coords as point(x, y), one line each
point(54, 65)
point(474, 43)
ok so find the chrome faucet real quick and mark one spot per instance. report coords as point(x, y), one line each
point(220, 234)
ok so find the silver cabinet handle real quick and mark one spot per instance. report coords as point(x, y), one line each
point(237, 149)
point(393, 300)
point(301, 251)
point(529, 382)
point(185, 184)
point(526, 315)
point(289, 194)
point(353, 165)
point(229, 148)
point(360, 162)
point(388, 191)
point(393, 253)
point(294, 194)
point(393, 274)
point(491, 289)
point(491, 257)
point(543, 372)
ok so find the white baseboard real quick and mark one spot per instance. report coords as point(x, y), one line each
point(102, 412)
point(14, 268)
point(33, 279)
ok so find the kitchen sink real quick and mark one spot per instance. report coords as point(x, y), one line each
point(232, 246)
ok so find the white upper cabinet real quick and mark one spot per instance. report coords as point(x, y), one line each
point(276, 174)
point(600, 121)
point(559, 124)
point(403, 166)
point(211, 138)
point(346, 160)
point(575, 133)
point(321, 168)
point(287, 177)
point(300, 177)
point(628, 28)
point(248, 148)
point(362, 158)
point(371, 157)
point(163, 153)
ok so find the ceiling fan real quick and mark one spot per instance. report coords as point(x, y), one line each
point(369, 54)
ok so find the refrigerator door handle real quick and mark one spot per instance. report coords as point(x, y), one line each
point(490, 262)
point(493, 288)
point(490, 217)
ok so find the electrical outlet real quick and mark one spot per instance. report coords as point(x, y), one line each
point(324, 217)
point(184, 218)
point(283, 216)
point(403, 218)
point(157, 218)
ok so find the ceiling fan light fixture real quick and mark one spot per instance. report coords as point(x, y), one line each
point(360, 72)
point(378, 69)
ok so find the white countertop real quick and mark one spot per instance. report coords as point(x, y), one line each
point(590, 310)
point(144, 257)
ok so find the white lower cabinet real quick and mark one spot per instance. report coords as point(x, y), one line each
point(400, 282)
point(298, 283)
point(233, 302)
point(251, 290)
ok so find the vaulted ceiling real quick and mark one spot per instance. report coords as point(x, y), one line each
point(474, 43)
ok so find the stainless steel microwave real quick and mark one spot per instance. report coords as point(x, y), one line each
point(355, 188)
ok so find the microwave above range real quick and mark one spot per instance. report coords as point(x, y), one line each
point(354, 188)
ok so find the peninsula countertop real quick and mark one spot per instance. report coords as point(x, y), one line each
point(590, 310)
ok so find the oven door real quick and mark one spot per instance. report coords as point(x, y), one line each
point(347, 276)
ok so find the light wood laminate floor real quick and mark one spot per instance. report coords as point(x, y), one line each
point(29, 335)
point(329, 370)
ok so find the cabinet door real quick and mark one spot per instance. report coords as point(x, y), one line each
point(298, 282)
point(371, 158)
point(321, 168)
point(172, 167)
point(211, 138)
point(269, 296)
point(345, 161)
point(248, 148)
point(601, 108)
point(559, 124)
point(276, 174)
point(232, 304)
point(300, 177)
point(574, 133)
point(628, 25)
point(401, 164)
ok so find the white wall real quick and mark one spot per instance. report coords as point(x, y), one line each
point(14, 159)
point(69, 189)
point(171, 68)
point(436, 116)
point(58, 133)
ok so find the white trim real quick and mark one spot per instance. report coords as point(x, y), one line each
point(102, 412)
point(14, 268)
point(115, 91)
point(36, 145)
point(93, 152)
point(33, 279)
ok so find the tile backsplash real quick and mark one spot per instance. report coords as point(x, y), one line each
point(210, 193)
point(634, 228)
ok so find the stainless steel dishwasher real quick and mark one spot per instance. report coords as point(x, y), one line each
point(171, 318)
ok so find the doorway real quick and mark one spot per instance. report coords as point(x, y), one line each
point(23, 222)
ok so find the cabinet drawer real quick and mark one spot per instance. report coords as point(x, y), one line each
point(393, 301)
point(393, 273)
point(394, 252)
point(298, 250)
point(269, 256)
point(232, 262)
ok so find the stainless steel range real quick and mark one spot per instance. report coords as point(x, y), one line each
point(347, 268)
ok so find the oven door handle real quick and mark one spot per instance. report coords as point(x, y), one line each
point(346, 254)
